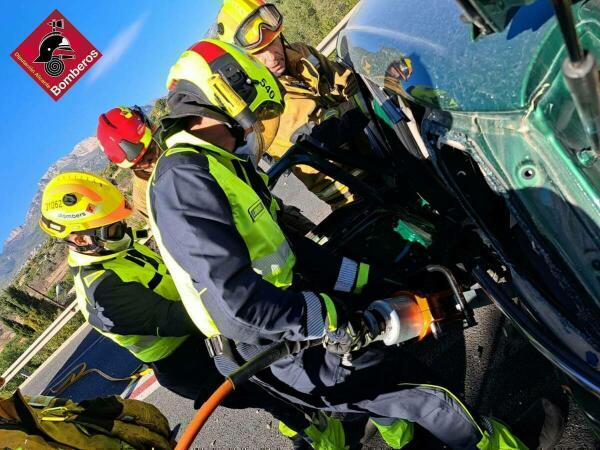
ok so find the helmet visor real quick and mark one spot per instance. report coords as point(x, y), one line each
point(132, 151)
point(268, 130)
point(269, 110)
point(259, 28)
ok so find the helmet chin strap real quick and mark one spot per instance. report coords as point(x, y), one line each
point(284, 41)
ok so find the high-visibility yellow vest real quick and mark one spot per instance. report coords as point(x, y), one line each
point(255, 218)
point(137, 264)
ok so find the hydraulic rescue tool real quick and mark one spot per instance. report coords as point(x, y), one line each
point(393, 321)
point(408, 315)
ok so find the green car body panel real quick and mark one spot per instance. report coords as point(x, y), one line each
point(502, 99)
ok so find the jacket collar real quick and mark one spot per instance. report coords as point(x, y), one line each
point(183, 138)
point(77, 259)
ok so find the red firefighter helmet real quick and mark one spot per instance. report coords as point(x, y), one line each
point(125, 134)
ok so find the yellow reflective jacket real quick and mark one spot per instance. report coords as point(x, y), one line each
point(132, 287)
point(315, 89)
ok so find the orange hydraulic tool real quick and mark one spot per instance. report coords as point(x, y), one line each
point(408, 315)
point(395, 320)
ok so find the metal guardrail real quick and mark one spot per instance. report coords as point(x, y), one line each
point(16, 367)
point(327, 47)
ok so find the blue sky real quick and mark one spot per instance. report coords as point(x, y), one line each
point(140, 40)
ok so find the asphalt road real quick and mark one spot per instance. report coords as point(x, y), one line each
point(491, 366)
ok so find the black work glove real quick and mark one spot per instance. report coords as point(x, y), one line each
point(351, 337)
point(292, 219)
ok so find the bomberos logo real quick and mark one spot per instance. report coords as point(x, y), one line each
point(56, 55)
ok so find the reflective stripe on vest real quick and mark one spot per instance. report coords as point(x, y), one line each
point(138, 264)
point(274, 262)
point(254, 214)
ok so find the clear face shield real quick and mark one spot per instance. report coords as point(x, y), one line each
point(259, 139)
point(269, 128)
point(267, 124)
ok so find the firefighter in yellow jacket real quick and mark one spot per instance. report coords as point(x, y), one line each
point(314, 86)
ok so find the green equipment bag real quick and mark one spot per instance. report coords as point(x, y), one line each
point(43, 422)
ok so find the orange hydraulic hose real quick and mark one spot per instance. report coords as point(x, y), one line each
point(203, 414)
point(237, 377)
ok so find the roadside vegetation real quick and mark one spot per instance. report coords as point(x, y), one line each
point(44, 285)
point(309, 21)
point(24, 317)
point(18, 343)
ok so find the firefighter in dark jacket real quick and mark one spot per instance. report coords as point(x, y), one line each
point(246, 284)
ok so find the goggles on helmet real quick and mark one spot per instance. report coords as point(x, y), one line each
point(112, 232)
point(259, 28)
